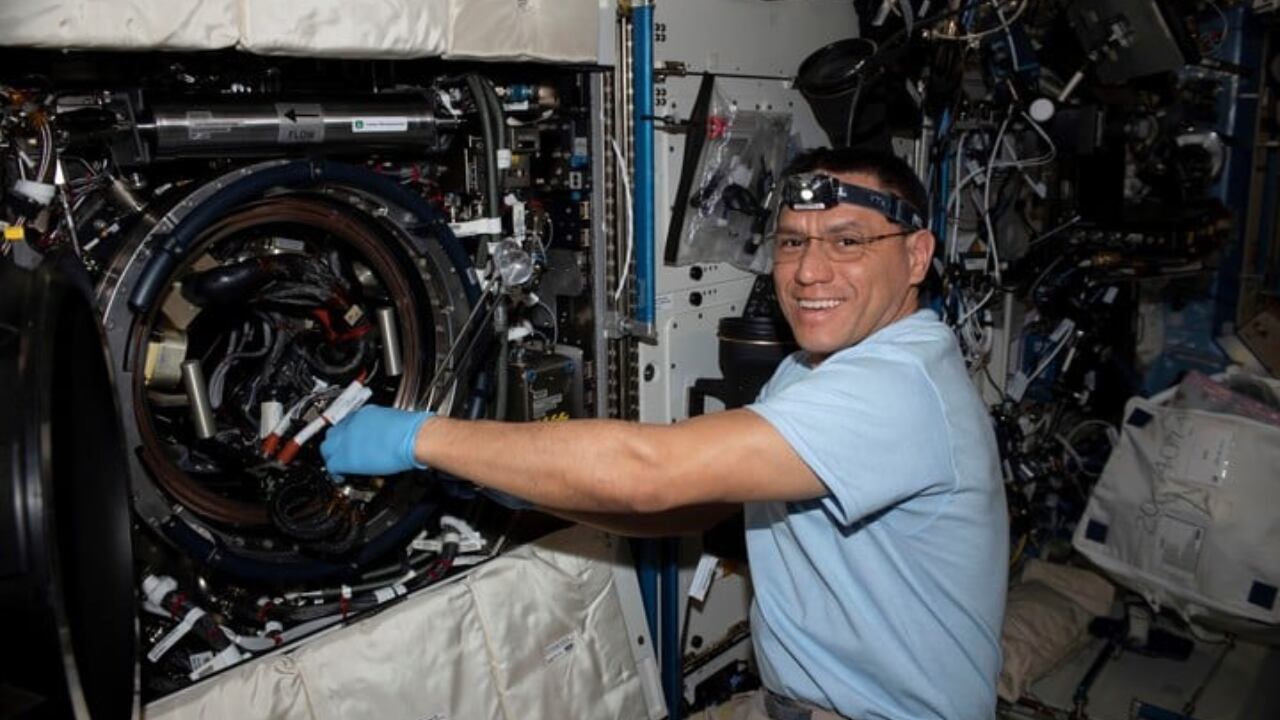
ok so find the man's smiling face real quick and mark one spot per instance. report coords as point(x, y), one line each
point(835, 291)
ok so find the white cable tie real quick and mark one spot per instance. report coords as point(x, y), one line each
point(347, 402)
point(156, 609)
point(479, 226)
point(469, 560)
point(156, 587)
point(346, 592)
point(427, 545)
point(418, 540)
point(37, 192)
point(173, 636)
point(455, 523)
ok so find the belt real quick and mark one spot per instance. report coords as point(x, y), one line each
point(781, 707)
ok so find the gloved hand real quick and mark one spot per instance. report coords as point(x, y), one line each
point(374, 441)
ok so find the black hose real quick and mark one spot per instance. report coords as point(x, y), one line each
point(171, 248)
point(305, 510)
point(480, 91)
point(226, 284)
point(338, 367)
point(278, 574)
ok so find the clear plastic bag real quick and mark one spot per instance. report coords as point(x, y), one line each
point(723, 206)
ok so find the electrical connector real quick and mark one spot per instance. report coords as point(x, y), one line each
point(351, 399)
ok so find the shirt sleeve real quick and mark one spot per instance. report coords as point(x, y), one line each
point(872, 429)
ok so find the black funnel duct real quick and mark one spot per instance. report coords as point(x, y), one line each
point(750, 350)
point(838, 81)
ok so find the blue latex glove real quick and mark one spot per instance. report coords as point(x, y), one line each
point(374, 440)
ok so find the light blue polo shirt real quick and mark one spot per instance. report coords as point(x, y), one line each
point(884, 598)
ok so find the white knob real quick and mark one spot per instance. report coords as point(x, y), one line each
point(1042, 110)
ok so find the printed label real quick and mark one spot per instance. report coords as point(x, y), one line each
point(380, 125)
point(1206, 455)
point(703, 576)
point(199, 660)
point(1194, 450)
point(1178, 545)
point(201, 125)
point(559, 648)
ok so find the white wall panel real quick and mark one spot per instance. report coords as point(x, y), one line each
point(750, 37)
point(687, 333)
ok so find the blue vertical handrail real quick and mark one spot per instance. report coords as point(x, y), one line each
point(672, 667)
point(642, 58)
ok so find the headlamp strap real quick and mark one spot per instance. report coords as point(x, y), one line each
point(815, 191)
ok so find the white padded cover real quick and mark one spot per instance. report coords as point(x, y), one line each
point(524, 30)
point(120, 24)
point(344, 28)
point(1185, 512)
point(537, 633)
point(548, 30)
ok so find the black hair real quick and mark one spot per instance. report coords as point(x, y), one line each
point(893, 172)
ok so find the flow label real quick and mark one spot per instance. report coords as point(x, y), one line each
point(300, 123)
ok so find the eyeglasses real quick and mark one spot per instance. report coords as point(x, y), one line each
point(845, 248)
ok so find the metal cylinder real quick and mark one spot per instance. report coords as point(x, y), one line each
point(391, 361)
point(202, 128)
point(198, 394)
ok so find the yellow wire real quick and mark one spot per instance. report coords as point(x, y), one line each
point(1017, 553)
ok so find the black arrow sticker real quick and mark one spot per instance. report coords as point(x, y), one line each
point(293, 115)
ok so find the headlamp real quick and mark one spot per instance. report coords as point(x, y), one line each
point(817, 191)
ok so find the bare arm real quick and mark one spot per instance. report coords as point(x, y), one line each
point(611, 466)
point(680, 521)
